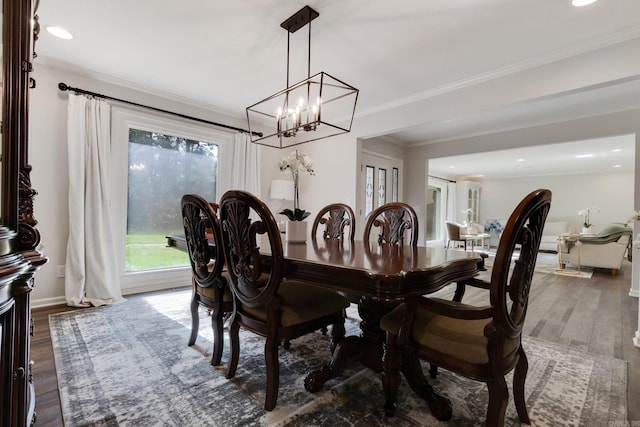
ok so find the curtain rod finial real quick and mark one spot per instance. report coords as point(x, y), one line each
point(62, 86)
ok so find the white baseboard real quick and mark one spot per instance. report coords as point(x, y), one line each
point(636, 339)
point(634, 293)
point(47, 302)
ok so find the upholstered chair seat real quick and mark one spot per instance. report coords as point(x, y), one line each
point(302, 303)
point(460, 338)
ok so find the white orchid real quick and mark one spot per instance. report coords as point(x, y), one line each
point(585, 214)
point(468, 213)
point(295, 163)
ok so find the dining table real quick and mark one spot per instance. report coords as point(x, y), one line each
point(380, 276)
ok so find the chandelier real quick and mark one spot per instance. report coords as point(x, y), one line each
point(318, 107)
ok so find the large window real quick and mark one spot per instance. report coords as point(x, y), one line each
point(158, 160)
point(169, 166)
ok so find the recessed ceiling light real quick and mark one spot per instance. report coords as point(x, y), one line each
point(60, 32)
point(616, 150)
point(617, 166)
point(452, 167)
point(584, 156)
point(578, 3)
point(520, 160)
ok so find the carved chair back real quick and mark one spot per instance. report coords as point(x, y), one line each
point(242, 242)
point(201, 225)
point(335, 218)
point(393, 219)
point(511, 275)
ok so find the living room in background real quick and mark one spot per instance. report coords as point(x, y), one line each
point(164, 159)
point(436, 193)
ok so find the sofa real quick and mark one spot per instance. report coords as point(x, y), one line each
point(550, 233)
point(605, 249)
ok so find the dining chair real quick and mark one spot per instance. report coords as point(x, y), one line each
point(277, 309)
point(483, 343)
point(335, 218)
point(392, 220)
point(209, 284)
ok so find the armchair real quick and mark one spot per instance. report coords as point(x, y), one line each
point(473, 234)
point(604, 250)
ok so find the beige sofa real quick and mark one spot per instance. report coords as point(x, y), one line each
point(550, 233)
point(603, 250)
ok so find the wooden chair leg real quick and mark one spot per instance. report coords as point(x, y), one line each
point(273, 372)
point(195, 319)
point(498, 399)
point(234, 344)
point(217, 324)
point(337, 334)
point(390, 375)
point(519, 378)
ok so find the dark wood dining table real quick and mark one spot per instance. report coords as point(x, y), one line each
point(381, 276)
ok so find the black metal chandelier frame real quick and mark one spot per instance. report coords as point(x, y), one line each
point(326, 105)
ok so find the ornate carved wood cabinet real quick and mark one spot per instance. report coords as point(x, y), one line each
point(19, 239)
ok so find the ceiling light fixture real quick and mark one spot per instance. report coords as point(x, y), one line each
point(61, 33)
point(584, 156)
point(579, 3)
point(317, 107)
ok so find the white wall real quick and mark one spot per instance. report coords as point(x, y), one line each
point(611, 192)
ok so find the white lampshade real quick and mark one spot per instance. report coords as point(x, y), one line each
point(281, 189)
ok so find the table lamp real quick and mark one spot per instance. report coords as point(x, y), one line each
point(281, 189)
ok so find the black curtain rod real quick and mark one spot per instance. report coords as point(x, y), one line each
point(65, 87)
point(443, 179)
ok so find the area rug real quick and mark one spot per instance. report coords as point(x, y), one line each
point(570, 272)
point(129, 365)
point(547, 263)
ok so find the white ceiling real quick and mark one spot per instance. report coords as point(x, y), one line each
point(604, 155)
point(229, 54)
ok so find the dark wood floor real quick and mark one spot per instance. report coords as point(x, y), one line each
point(596, 315)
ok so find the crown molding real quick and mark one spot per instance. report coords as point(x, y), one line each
point(611, 39)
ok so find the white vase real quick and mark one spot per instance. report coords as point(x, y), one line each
point(296, 231)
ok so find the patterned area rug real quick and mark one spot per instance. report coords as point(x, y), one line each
point(129, 365)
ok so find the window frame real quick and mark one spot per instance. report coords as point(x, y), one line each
point(122, 119)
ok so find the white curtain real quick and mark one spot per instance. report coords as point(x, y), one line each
point(91, 269)
point(246, 167)
point(451, 202)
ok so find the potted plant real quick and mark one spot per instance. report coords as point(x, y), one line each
point(586, 220)
point(296, 163)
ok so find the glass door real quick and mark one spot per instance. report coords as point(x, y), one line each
point(381, 178)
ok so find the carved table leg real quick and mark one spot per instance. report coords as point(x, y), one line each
point(349, 348)
point(366, 349)
point(439, 404)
